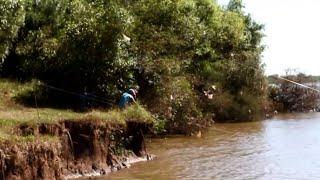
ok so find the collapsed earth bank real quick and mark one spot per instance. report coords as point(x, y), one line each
point(70, 149)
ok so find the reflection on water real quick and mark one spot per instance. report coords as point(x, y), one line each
point(286, 147)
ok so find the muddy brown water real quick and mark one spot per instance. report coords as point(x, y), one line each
point(285, 147)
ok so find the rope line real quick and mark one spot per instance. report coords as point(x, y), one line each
point(302, 85)
point(95, 98)
point(288, 80)
point(74, 93)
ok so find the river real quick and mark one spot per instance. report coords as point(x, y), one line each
point(285, 147)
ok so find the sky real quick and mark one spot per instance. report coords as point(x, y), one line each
point(292, 30)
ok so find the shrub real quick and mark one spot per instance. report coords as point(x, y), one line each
point(176, 104)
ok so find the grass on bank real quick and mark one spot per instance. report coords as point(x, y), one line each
point(12, 113)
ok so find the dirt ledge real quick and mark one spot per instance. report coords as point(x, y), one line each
point(75, 148)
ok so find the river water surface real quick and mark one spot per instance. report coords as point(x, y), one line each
point(285, 147)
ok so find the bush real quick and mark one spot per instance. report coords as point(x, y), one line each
point(175, 103)
point(244, 107)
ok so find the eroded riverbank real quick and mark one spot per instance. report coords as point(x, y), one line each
point(72, 148)
point(285, 147)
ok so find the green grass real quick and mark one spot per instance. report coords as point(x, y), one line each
point(26, 139)
point(12, 113)
point(114, 116)
point(9, 90)
point(136, 112)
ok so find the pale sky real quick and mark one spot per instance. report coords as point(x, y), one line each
point(292, 29)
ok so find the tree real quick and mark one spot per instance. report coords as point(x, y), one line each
point(12, 15)
point(37, 40)
point(236, 6)
point(94, 51)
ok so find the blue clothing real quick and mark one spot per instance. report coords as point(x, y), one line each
point(125, 99)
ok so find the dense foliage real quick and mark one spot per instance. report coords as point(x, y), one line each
point(192, 59)
point(12, 16)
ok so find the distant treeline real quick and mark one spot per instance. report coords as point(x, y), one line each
point(192, 59)
point(316, 78)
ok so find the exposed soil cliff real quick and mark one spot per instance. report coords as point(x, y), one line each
point(70, 149)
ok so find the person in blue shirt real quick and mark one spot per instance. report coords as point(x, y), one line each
point(127, 98)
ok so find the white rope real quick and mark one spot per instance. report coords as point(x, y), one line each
point(302, 85)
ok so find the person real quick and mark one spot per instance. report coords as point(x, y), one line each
point(128, 97)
